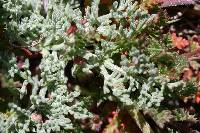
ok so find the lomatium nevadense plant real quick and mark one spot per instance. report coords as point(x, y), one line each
point(82, 54)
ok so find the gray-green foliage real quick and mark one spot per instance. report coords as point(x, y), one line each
point(134, 81)
point(2, 122)
point(150, 85)
point(49, 96)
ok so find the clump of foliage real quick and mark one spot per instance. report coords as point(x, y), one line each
point(75, 61)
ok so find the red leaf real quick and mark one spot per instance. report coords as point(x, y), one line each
point(187, 74)
point(79, 60)
point(197, 97)
point(27, 52)
point(30, 54)
point(72, 29)
point(179, 42)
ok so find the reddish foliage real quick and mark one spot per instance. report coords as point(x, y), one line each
point(72, 29)
point(36, 117)
point(97, 123)
point(20, 62)
point(197, 97)
point(122, 125)
point(187, 74)
point(179, 42)
point(106, 2)
point(125, 53)
point(115, 125)
point(27, 52)
point(103, 37)
point(20, 65)
point(30, 54)
point(79, 60)
point(83, 21)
